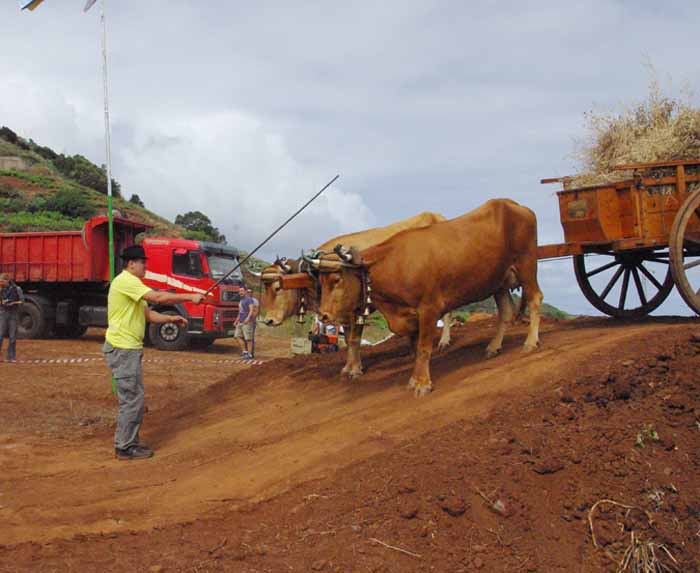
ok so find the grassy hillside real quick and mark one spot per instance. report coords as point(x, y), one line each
point(43, 196)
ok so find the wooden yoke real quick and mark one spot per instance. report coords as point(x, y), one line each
point(295, 281)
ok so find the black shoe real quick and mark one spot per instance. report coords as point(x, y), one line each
point(136, 452)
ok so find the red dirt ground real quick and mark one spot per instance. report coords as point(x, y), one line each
point(286, 467)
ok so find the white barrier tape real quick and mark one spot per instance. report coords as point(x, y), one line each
point(245, 361)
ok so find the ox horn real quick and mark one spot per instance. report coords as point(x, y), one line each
point(281, 262)
point(343, 253)
point(314, 262)
point(252, 272)
point(285, 265)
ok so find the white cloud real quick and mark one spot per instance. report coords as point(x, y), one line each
point(241, 173)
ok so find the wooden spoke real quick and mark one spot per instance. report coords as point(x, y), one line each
point(638, 284)
point(612, 282)
point(691, 265)
point(623, 290)
point(648, 275)
point(601, 269)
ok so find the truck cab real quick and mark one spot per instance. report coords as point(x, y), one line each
point(190, 266)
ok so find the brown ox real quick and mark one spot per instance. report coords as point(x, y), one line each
point(280, 304)
point(418, 275)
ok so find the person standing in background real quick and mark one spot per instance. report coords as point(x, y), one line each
point(10, 298)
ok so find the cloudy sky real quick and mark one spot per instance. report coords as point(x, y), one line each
point(245, 109)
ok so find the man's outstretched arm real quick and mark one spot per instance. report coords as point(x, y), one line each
point(160, 297)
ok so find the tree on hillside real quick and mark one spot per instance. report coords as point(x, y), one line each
point(8, 135)
point(136, 200)
point(200, 227)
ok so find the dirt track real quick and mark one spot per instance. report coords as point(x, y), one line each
point(286, 467)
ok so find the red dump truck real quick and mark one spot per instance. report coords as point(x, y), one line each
point(65, 279)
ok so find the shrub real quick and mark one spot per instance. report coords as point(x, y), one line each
point(86, 173)
point(69, 202)
point(136, 200)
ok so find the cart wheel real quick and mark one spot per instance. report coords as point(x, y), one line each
point(599, 276)
point(684, 250)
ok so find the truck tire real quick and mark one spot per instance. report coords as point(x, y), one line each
point(32, 321)
point(169, 336)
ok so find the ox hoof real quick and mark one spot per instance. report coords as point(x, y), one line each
point(530, 347)
point(423, 390)
point(443, 345)
point(492, 352)
point(352, 373)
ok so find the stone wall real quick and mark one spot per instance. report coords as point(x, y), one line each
point(8, 162)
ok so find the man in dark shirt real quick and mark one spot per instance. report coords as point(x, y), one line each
point(10, 299)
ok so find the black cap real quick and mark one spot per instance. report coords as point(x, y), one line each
point(133, 252)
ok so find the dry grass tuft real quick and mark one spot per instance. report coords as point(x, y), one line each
point(659, 128)
point(647, 557)
point(639, 556)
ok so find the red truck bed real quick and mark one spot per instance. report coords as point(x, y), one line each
point(65, 256)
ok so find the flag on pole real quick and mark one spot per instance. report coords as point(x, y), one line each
point(89, 4)
point(29, 4)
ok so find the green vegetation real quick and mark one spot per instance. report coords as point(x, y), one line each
point(488, 306)
point(648, 433)
point(199, 227)
point(75, 168)
point(39, 221)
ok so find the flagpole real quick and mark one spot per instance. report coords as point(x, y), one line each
point(108, 146)
point(108, 149)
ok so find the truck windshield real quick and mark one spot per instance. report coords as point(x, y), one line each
point(219, 265)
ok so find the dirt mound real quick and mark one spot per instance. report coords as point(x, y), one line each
point(498, 470)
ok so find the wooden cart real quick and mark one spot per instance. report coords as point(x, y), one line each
point(632, 240)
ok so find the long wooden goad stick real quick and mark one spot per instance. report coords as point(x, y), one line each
point(282, 226)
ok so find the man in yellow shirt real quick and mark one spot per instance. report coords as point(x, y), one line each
point(127, 314)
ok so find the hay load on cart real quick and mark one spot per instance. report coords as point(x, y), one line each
point(631, 217)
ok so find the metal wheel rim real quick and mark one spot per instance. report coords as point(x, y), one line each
point(169, 331)
point(629, 272)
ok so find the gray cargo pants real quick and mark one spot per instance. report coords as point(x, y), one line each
point(125, 365)
point(8, 328)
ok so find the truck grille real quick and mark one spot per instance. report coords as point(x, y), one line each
point(230, 296)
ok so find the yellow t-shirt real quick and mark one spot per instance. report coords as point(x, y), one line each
point(126, 311)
